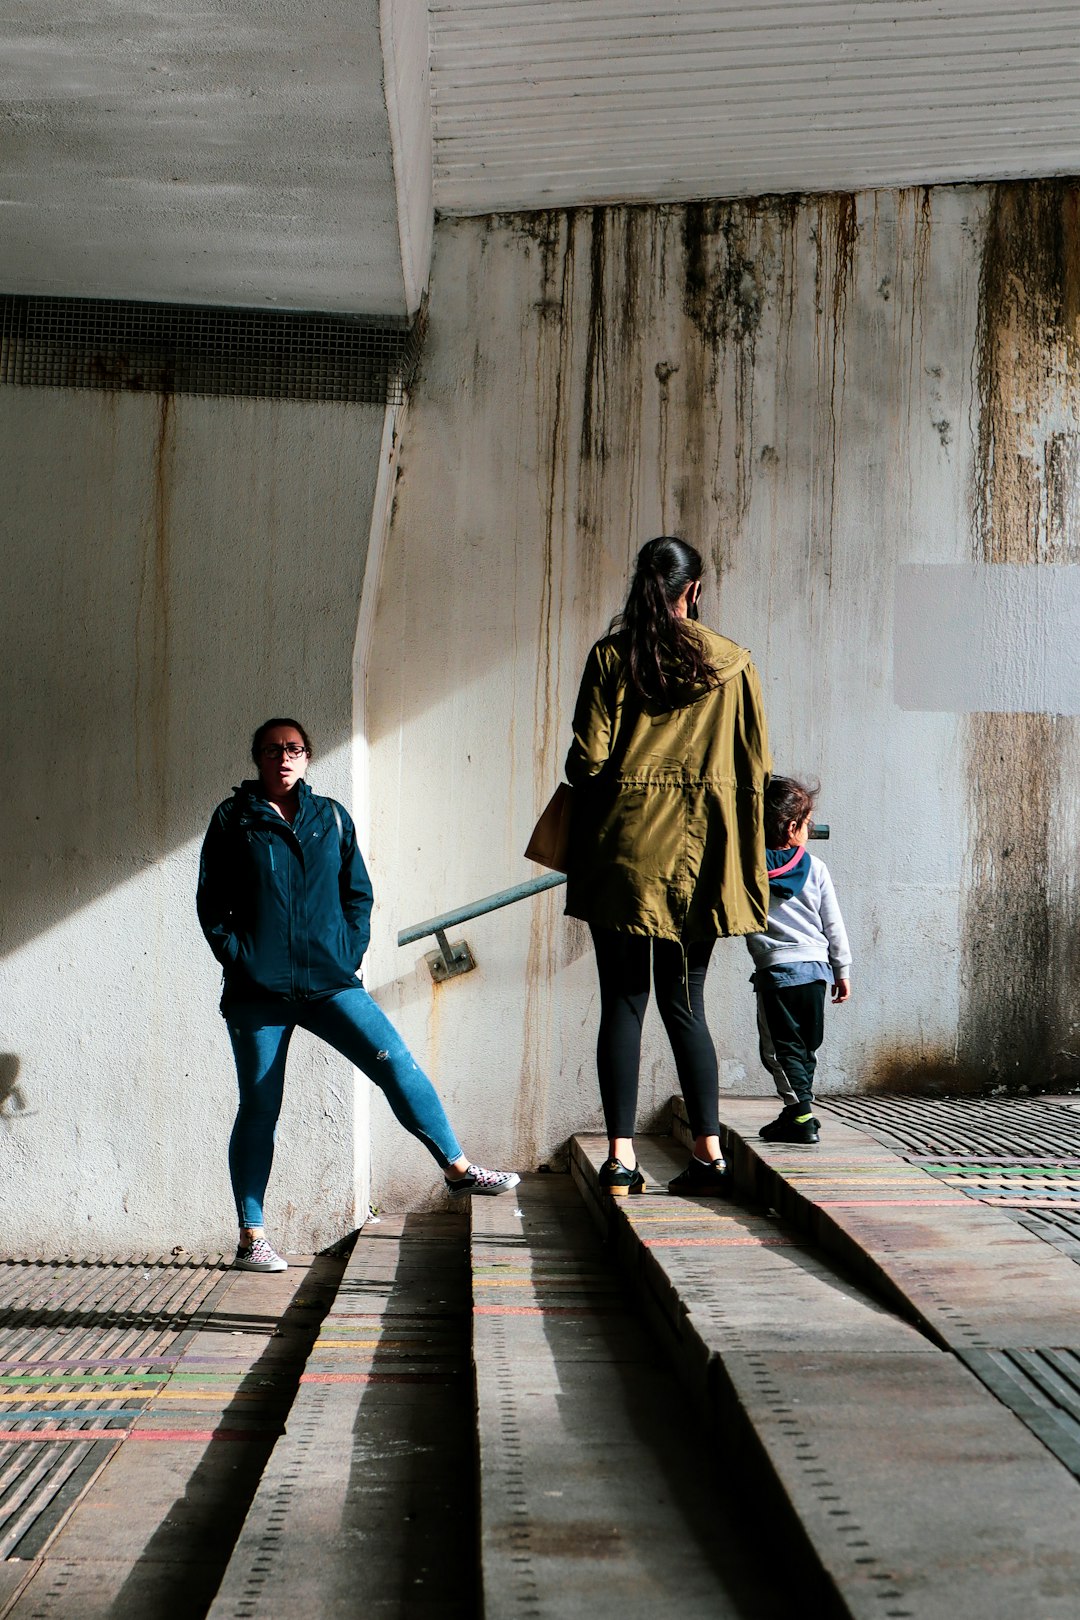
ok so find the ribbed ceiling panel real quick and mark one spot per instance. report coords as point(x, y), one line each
point(541, 103)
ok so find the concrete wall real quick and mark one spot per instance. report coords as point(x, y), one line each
point(174, 571)
point(824, 395)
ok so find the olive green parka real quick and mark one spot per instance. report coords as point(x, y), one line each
point(666, 837)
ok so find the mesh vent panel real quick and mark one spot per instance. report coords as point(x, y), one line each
point(189, 349)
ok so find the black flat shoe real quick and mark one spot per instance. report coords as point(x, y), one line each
point(617, 1180)
point(701, 1180)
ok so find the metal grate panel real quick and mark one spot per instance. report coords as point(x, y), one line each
point(1017, 1183)
point(1043, 1388)
point(1058, 1226)
point(985, 1129)
point(189, 349)
point(64, 1328)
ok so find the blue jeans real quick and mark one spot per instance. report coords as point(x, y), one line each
point(355, 1026)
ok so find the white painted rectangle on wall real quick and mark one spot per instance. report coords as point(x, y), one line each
point(993, 638)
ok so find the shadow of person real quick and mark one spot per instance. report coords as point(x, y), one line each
point(12, 1098)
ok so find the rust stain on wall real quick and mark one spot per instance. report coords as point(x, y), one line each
point(835, 233)
point(927, 1070)
point(1020, 917)
point(557, 233)
point(555, 353)
point(726, 274)
point(152, 628)
point(593, 424)
point(619, 308)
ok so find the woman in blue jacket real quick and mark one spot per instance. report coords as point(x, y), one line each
point(284, 900)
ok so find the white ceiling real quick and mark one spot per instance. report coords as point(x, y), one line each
point(242, 151)
point(541, 103)
point(220, 151)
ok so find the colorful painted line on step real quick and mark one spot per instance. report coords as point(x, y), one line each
point(902, 1204)
point(199, 1436)
point(420, 1317)
point(713, 1218)
point(540, 1286)
point(47, 1413)
point(395, 1343)
point(985, 1167)
point(449, 1376)
point(156, 1380)
point(1012, 1201)
point(224, 1366)
point(444, 1334)
point(720, 1243)
point(844, 1172)
point(548, 1310)
point(541, 1271)
point(151, 1395)
point(920, 1179)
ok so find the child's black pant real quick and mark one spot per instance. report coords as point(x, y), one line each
point(622, 961)
point(791, 1023)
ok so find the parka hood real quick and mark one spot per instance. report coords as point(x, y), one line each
point(727, 658)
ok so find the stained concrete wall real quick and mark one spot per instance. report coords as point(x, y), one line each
point(174, 571)
point(821, 394)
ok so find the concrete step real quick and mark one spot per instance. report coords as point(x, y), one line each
point(593, 1496)
point(970, 1275)
point(896, 1483)
point(367, 1505)
point(600, 1494)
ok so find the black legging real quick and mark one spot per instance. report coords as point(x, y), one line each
point(623, 964)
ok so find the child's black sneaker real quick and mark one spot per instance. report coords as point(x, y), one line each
point(795, 1124)
point(702, 1179)
point(616, 1179)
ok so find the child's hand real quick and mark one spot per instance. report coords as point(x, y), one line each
point(841, 990)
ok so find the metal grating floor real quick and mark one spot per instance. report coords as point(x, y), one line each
point(1061, 1227)
point(1022, 1155)
point(75, 1340)
point(1043, 1388)
point(1010, 1130)
point(1019, 1154)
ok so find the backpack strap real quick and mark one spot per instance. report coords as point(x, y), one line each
point(340, 828)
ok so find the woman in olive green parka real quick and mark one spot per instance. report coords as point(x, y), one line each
point(669, 761)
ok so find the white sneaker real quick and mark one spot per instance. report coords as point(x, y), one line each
point(258, 1256)
point(477, 1180)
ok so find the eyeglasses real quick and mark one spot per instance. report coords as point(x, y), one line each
point(282, 751)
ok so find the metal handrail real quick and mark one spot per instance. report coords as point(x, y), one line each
point(449, 959)
point(491, 902)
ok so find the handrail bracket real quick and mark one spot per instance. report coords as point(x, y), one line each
point(449, 960)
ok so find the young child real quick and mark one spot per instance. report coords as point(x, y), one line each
point(804, 949)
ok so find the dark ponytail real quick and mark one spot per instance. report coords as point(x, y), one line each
point(667, 664)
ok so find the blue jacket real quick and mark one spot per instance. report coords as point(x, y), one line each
point(286, 910)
